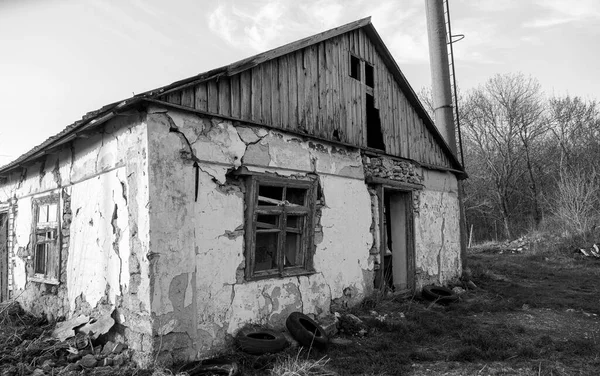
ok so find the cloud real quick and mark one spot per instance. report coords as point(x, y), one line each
point(272, 23)
point(559, 12)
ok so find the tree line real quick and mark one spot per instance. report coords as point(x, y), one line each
point(532, 159)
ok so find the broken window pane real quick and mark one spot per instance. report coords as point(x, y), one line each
point(295, 196)
point(269, 195)
point(278, 218)
point(369, 75)
point(267, 221)
point(293, 249)
point(355, 67)
point(52, 209)
point(294, 222)
point(40, 258)
point(45, 245)
point(42, 214)
point(265, 255)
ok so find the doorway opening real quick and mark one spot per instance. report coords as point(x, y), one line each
point(397, 251)
point(3, 256)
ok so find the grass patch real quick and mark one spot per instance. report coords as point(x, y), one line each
point(298, 366)
point(483, 327)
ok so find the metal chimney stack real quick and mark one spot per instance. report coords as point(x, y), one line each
point(440, 71)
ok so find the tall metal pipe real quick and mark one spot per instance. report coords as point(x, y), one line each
point(440, 71)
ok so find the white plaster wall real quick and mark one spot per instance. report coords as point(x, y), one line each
point(106, 168)
point(98, 263)
point(437, 230)
point(198, 287)
point(22, 231)
point(343, 254)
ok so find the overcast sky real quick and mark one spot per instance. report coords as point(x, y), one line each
point(62, 58)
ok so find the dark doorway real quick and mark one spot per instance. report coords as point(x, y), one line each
point(3, 257)
point(397, 270)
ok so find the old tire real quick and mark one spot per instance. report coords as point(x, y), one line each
point(259, 341)
point(306, 331)
point(439, 294)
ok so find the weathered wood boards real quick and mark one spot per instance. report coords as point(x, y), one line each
point(310, 91)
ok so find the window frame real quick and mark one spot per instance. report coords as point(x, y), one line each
point(253, 209)
point(52, 245)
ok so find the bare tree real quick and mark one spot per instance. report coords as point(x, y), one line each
point(574, 125)
point(502, 120)
point(577, 200)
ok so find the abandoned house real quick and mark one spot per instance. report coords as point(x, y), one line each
point(300, 179)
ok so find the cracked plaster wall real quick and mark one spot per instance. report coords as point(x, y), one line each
point(104, 178)
point(199, 297)
point(437, 230)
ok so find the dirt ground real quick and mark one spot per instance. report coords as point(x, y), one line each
point(532, 313)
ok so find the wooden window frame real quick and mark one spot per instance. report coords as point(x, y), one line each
point(282, 210)
point(48, 270)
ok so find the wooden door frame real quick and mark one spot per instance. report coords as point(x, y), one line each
point(410, 233)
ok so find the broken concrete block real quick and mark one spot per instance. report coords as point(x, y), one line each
point(119, 348)
point(66, 329)
point(96, 328)
point(88, 361)
point(118, 360)
point(108, 348)
point(106, 362)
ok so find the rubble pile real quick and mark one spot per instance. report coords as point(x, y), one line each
point(521, 244)
point(29, 346)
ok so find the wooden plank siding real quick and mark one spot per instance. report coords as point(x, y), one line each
point(310, 91)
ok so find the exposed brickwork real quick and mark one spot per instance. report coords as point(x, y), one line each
point(381, 167)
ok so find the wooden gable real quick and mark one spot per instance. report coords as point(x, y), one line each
point(314, 87)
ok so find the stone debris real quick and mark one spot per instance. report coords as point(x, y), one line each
point(33, 347)
point(458, 290)
point(95, 328)
point(66, 329)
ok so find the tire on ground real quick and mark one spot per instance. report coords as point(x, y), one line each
point(259, 341)
point(439, 294)
point(306, 331)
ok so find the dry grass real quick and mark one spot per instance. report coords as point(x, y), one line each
point(533, 314)
point(299, 366)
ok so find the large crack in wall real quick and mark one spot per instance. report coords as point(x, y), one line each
point(214, 237)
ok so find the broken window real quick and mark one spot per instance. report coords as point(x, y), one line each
point(46, 250)
point(279, 217)
point(369, 75)
point(354, 67)
point(374, 134)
